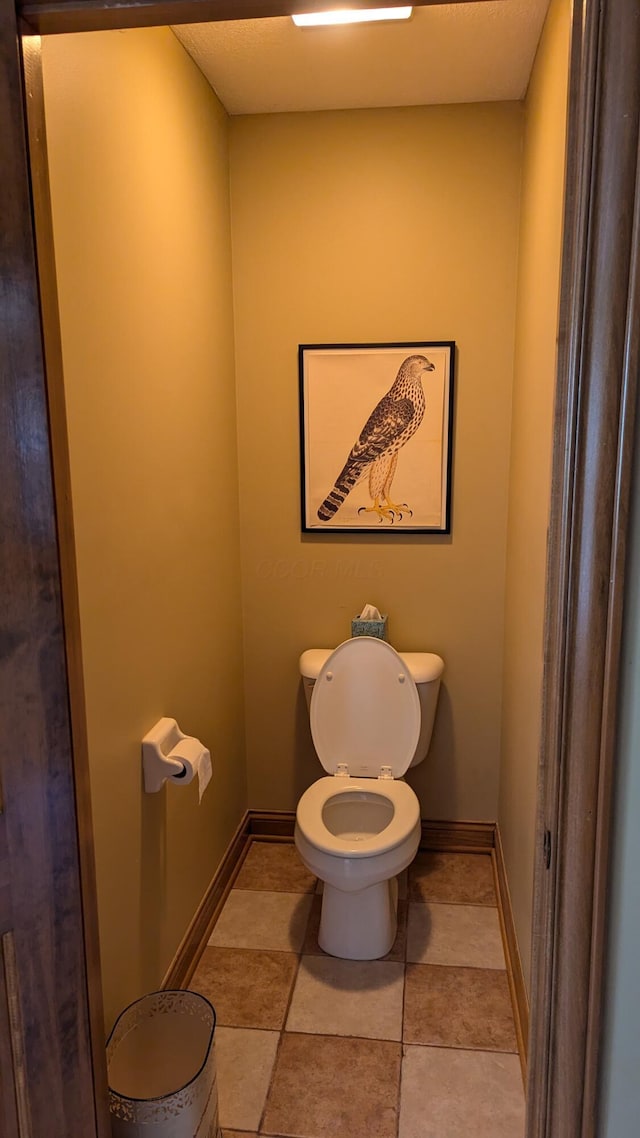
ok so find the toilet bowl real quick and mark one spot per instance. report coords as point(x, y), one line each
point(359, 827)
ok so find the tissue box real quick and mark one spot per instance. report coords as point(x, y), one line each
point(377, 628)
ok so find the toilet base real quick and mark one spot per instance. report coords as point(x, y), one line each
point(359, 925)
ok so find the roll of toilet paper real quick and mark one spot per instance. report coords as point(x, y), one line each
point(196, 760)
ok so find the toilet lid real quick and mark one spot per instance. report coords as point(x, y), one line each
point(365, 710)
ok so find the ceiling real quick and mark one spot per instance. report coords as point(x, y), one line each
point(450, 53)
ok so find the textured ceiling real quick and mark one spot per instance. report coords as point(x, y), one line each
point(452, 53)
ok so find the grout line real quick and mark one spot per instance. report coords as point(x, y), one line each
point(370, 1039)
point(465, 904)
point(402, 1044)
point(470, 967)
point(352, 1038)
point(282, 1029)
point(287, 892)
point(404, 993)
point(459, 967)
point(460, 1047)
point(293, 986)
point(271, 1078)
point(337, 1035)
point(275, 889)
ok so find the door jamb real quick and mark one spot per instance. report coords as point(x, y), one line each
point(598, 361)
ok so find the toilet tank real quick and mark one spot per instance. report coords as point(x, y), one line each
point(425, 668)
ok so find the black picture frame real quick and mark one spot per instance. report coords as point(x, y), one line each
point(365, 429)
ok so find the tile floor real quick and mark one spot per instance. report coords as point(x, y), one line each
point(418, 1045)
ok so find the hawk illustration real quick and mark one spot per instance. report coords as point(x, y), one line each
point(390, 425)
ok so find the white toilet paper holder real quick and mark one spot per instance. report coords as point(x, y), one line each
point(157, 763)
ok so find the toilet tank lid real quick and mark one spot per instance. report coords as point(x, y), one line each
point(424, 667)
point(312, 661)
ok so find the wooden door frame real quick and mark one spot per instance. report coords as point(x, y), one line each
point(49, 951)
point(593, 448)
point(598, 362)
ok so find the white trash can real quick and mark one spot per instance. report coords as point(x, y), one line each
point(161, 1068)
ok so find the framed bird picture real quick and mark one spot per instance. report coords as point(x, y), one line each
point(376, 437)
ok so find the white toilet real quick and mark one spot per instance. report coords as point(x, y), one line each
point(372, 713)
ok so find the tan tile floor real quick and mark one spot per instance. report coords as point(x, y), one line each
point(419, 1045)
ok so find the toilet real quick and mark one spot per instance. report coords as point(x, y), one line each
point(372, 712)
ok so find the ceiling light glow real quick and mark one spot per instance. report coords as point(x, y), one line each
point(351, 16)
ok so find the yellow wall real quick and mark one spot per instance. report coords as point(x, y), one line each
point(362, 226)
point(139, 175)
point(347, 227)
point(529, 479)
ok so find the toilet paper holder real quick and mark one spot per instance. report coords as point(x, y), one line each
point(157, 763)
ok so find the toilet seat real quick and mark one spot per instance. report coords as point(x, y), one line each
point(359, 828)
point(365, 711)
point(309, 815)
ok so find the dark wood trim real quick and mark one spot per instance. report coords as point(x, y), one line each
point(272, 823)
point(50, 16)
point(50, 926)
point(471, 837)
point(278, 826)
point(517, 986)
point(597, 377)
point(462, 837)
point(15, 1113)
point(56, 406)
point(195, 939)
point(262, 825)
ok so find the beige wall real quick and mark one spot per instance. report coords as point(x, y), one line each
point(366, 226)
point(139, 172)
point(529, 480)
point(347, 227)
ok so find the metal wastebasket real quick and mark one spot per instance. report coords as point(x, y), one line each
point(161, 1068)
